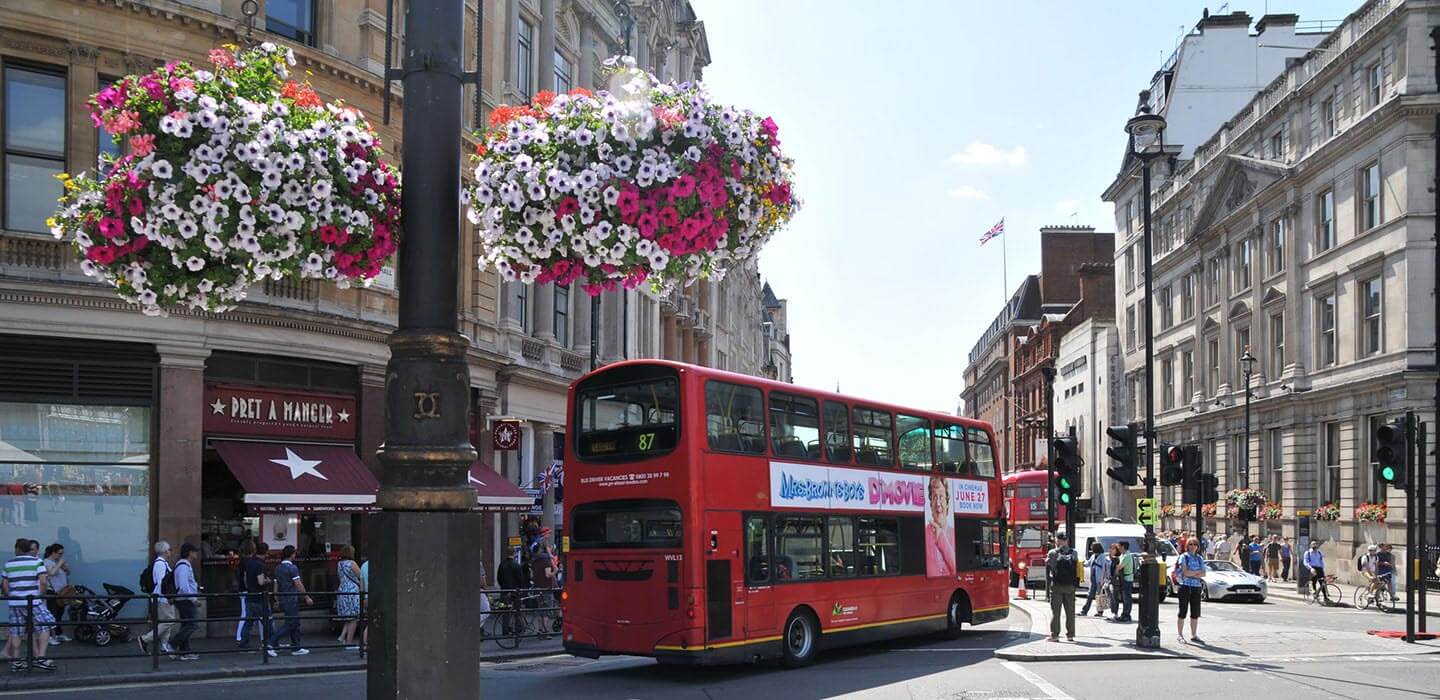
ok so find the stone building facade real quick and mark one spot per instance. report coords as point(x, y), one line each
point(75, 342)
point(987, 394)
point(1300, 231)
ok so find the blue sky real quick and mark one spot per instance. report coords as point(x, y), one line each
point(915, 126)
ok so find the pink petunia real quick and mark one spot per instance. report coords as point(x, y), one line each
point(684, 186)
point(153, 87)
point(111, 227)
point(142, 144)
point(669, 218)
point(102, 254)
point(222, 58)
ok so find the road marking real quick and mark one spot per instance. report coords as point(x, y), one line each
point(1045, 686)
point(187, 682)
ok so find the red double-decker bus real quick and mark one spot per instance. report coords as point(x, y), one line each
point(715, 517)
point(1026, 496)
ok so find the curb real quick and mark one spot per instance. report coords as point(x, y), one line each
point(1126, 655)
point(45, 682)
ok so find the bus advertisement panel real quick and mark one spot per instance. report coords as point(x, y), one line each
point(717, 517)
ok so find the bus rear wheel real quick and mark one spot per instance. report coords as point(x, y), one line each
point(955, 615)
point(802, 635)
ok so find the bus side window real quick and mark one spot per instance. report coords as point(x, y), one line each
point(794, 426)
point(837, 432)
point(873, 436)
point(734, 418)
point(915, 447)
point(950, 449)
point(982, 455)
point(757, 549)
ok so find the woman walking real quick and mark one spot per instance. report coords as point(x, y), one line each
point(1190, 570)
point(347, 603)
point(1097, 568)
point(1112, 571)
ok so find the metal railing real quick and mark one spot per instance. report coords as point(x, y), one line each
point(513, 615)
point(100, 614)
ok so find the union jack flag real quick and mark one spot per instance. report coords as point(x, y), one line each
point(553, 476)
point(994, 231)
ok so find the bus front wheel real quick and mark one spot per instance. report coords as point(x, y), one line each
point(802, 634)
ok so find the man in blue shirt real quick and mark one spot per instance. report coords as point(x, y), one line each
point(289, 589)
point(1255, 554)
point(1314, 563)
point(1190, 570)
point(186, 590)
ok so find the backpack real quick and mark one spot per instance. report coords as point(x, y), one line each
point(147, 580)
point(1063, 571)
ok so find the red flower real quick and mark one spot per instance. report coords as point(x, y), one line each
point(102, 254)
point(543, 99)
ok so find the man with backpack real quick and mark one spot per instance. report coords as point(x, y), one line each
point(158, 580)
point(1062, 568)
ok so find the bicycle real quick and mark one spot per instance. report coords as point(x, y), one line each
point(511, 620)
point(1328, 594)
point(1376, 592)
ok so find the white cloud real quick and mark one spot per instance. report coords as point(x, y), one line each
point(978, 153)
point(968, 193)
point(1066, 207)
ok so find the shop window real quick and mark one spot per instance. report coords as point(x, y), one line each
point(78, 475)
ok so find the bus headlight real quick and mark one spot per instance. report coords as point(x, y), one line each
point(1023, 566)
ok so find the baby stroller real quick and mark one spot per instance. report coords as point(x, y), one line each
point(94, 617)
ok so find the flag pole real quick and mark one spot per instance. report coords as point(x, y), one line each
point(1004, 267)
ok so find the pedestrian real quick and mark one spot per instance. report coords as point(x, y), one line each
point(1097, 568)
point(1127, 580)
point(1062, 570)
point(60, 592)
point(1272, 559)
point(1254, 553)
point(159, 583)
point(1315, 567)
point(365, 602)
point(255, 606)
point(1190, 570)
point(23, 580)
point(187, 591)
point(1287, 554)
point(347, 603)
point(290, 589)
point(511, 579)
point(1113, 574)
point(1218, 547)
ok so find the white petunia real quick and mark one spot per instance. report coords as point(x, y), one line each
point(194, 264)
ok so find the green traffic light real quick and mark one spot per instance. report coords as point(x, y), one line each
point(1387, 474)
point(1065, 498)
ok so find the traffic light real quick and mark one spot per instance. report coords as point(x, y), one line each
point(1125, 453)
point(1192, 477)
point(1209, 488)
point(1067, 470)
point(1391, 453)
point(1170, 472)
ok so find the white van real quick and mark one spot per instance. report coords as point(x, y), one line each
point(1109, 533)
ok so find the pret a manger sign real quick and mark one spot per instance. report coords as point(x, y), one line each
point(234, 410)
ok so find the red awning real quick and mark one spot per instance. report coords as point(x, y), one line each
point(494, 492)
point(281, 477)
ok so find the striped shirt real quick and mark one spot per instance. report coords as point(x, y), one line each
point(23, 574)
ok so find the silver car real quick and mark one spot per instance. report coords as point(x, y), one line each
point(1225, 581)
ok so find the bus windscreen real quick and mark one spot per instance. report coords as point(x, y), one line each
point(625, 524)
point(628, 421)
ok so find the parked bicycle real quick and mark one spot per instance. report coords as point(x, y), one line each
point(1327, 594)
point(515, 617)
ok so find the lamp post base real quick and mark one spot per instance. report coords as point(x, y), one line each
point(426, 591)
point(1147, 633)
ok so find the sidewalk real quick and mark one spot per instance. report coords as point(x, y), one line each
point(122, 663)
point(1099, 639)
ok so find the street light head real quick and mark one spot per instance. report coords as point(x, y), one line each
point(1248, 359)
point(1147, 134)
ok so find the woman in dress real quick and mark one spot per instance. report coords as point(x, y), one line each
point(940, 531)
point(347, 603)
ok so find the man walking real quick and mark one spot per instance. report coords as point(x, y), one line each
point(1062, 568)
point(23, 580)
point(1127, 580)
point(289, 588)
point(1287, 553)
point(186, 591)
point(1254, 552)
point(1097, 569)
point(160, 584)
point(1272, 559)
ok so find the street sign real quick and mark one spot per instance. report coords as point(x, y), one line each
point(1145, 512)
point(506, 436)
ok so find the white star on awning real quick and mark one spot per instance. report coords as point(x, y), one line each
point(299, 467)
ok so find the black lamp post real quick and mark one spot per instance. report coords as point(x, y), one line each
point(1248, 362)
point(423, 604)
point(1147, 142)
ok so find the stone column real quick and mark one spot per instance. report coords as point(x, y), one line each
point(641, 45)
point(543, 296)
point(510, 307)
point(612, 326)
point(585, 75)
point(180, 446)
point(370, 424)
point(512, 20)
point(547, 46)
point(581, 320)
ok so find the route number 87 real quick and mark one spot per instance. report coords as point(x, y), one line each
point(647, 441)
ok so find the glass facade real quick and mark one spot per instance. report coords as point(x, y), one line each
point(78, 475)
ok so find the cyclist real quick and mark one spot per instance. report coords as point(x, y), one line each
point(1385, 568)
point(1315, 564)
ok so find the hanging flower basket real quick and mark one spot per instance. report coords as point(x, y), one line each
point(230, 176)
point(1372, 512)
point(1208, 510)
point(645, 181)
point(1242, 499)
point(1168, 510)
point(1328, 510)
point(1187, 510)
point(1272, 511)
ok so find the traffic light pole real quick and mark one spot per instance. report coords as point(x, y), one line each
point(1421, 488)
point(1412, 567)
point(1070, 510)
point(1049, 373)
point(1147, 633)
